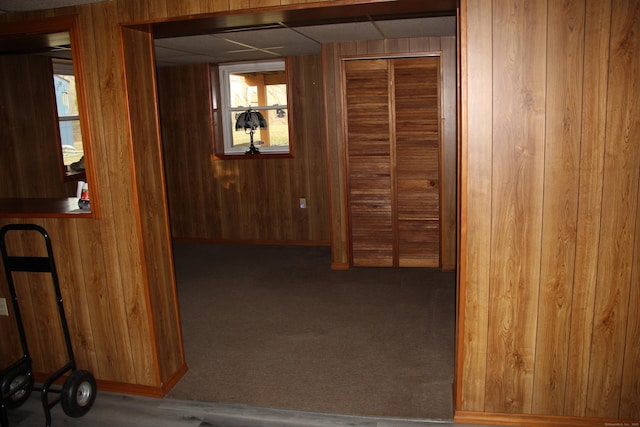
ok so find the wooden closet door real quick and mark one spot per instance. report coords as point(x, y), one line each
point(392, 131)
point(368, 134)
point(417, 160)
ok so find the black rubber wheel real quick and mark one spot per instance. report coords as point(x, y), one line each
point(78, 393)
point(18, 382)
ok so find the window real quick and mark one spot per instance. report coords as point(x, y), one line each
point(64, 83)
point(262, 87)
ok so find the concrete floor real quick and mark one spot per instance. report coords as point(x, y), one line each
point(116, 410)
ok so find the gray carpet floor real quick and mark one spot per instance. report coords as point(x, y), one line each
point(274, 326)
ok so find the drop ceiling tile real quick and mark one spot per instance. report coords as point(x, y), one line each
point(266, 38)
point(300, 49)
point(249, 55)
point(188, 59)
point(331, 33)
point(205, 44)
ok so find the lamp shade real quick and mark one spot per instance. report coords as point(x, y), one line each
point(250, 120)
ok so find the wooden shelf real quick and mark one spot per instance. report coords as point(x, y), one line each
point(42, 208)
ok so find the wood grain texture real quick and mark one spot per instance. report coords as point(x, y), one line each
point(565, 51)
point(161, 294)
point(517, 186)
point(392, 129)
point(449, 180)
point(368, 133)
point(476, 200)
point(602, 372)
point(562, 212)
point(417, 117)
point(122, 258)
point(243, 199)
point(593, 121)
point(618, 222)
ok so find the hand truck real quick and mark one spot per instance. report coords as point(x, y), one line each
point(78, 391)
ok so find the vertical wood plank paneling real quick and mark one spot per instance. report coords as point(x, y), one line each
point(67, 255)
point(238, 4)
point(308, 176)
point(10, 348)
point(263, 3)
point(97, 286)
point(583, 221)
point(475, 200)
point(184, 94)
point(450, 154)
point(132, 10)
point(565, 38)
point(122, 257)
point(34, 303)
point(518, 168)
point(596, 56)
point(630, 394)
point(159, 278)
point(105, 127)
point(243, 199)
point(335, 157)
point(27, 103)
point(620, 192)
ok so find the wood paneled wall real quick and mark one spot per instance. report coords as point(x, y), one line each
point(549, 205)
point(549, 209)
point(116, 267)
point(244, 199)
point(27, 100)
point(332, 55)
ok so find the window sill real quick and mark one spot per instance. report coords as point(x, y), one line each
point(71, 176)
point(260, 156)
point(42, 208)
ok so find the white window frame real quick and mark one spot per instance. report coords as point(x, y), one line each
point(65, 68)
point(228, 128)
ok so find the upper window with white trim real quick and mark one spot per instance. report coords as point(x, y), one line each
point(261, 87)
point(64, 83)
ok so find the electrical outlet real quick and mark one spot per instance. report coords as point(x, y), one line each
point(4, 311)
point(303, 203)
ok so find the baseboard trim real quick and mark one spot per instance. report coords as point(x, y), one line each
point(339, 266)
point(174, 379)
point(525, 420)
point(253, 241)
point(126, 388)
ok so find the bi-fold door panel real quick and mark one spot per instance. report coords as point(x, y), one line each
point(369, 153)
point(417, 156)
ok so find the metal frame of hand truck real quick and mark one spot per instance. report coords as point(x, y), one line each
point(78, 391)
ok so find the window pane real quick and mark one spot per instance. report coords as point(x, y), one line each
point(66, 97)
point(67, 106)
point(278, 127)
point(71, 138)
point(277, 94)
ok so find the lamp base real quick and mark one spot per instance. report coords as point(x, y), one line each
point(252, 150)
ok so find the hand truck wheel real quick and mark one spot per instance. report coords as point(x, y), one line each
point(78, 393)
point(17, 385)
